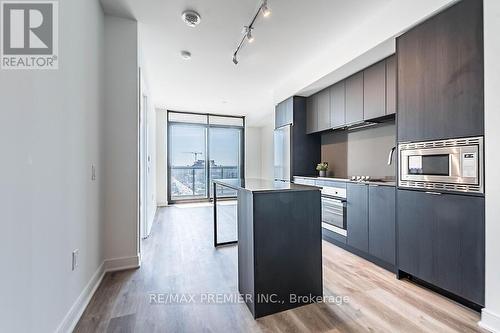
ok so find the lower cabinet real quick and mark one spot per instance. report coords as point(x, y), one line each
point(357, 216)
point(371, 221)
point(441, 241)
point(382, 223)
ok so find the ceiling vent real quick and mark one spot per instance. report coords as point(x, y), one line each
point(191, 18)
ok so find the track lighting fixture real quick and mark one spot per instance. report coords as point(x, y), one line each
point(265, 9)
point(247, 30)
point(249, 35)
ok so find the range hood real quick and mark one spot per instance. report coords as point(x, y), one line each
point(357, 125)
point(362, 124)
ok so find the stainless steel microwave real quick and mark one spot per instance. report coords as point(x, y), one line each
point(447, 165)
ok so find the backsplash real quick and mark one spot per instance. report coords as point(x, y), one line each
point(360, 152)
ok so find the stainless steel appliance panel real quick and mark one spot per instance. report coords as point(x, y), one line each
point(451, 165)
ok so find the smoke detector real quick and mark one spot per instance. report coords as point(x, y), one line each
point(186, 55)
point(191, 18)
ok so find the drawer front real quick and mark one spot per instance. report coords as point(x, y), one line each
point(304, 181)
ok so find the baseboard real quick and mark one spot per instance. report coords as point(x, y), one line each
point(490, 321)
point(75, 312)
point(110, 265)
point(119, 264)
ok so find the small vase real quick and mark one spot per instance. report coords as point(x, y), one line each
point(322, 173)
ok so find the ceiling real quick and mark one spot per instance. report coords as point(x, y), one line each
point(295, 32)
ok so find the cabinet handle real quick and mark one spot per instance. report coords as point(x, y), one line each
point(434, 193)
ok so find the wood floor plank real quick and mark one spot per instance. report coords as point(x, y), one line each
point(179, 258)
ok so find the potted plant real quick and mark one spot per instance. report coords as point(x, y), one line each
point(322, 168)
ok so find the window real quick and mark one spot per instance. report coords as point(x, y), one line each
point(202, 148)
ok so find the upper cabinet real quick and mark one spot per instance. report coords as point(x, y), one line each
point(390, 84)
point(374, 91)
point(337, 105)
point(284, 113)
point(323, 105)
point(354, 99)
point(318, 112)
point(312, 115)
point(366, 95)
point(440, 76)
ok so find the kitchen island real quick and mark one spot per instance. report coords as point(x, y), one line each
point(279, 243)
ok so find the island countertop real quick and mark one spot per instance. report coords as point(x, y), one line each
point(263, 185)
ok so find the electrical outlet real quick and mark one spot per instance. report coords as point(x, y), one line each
point(93, 172)
point(74, 260)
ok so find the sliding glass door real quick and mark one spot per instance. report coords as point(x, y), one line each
point(225, 147)
point(188, 174)
point(199, 151)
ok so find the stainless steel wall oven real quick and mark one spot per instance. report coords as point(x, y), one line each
point(334, 209)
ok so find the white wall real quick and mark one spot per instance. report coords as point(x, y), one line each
point(253, 148)
point(151, 169)
point(267, 150)
point(121, 140)
point(148, 155)
point(49, 137)
point(161, 157)
point(491, 315)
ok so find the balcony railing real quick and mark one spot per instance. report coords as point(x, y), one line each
point(189, 182)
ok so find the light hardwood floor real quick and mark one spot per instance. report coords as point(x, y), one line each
point(179, 257)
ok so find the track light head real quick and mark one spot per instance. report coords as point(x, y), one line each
point(235, 59)
point(250, 37)
point(266, 11)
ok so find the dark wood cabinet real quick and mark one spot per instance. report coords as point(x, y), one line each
point(415, 234)
point(284, 113)
point(390, 84)
point(337, 105)
point(367, 95)
point(441, 76)
point(382, 223)
point(441, 241)
point(323, 109)
point(374, 91)
point(318, 112)
point(305, 149)
point(312, 115)
point(357, 216)
point(354, 99)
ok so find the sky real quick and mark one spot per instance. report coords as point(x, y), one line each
point(187, 139)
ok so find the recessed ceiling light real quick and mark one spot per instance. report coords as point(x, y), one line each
point(191, 18)
point(186, 55)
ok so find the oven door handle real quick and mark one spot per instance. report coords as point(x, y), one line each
point(334, 199)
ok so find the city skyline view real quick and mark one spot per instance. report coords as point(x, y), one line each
point(190, 142)
point(188, 154)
